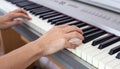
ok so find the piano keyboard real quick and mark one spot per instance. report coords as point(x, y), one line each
point(100, 48)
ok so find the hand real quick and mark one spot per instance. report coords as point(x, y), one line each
point(58, 38)
point(8, 20)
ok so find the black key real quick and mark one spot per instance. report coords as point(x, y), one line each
point(47, 14)
point(109, 42)
point(59, 19)
point(92, 36)
point(49, 20)
point(64, 21)
point(31, 7)
point(118, 55)
point(98, 41)
point(40, 10)
point(22, 4)
point(52, 15)
point(15, 1)
point(43, 12)
point(76, 23)
point(52, 19)
point(35, 10)
point(81, 25)
point(72, 22)
point(91, 31)
point(114, 50)
point(86, 29)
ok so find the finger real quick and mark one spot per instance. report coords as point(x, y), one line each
point(74, 35)
point(75, 41)
point(72, 46)
point(20, 11)
point(72, 29)
point(15, 22)
point(62, 26)
point(20, 15)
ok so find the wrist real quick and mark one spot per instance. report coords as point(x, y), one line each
point(35, 49)
point(2, 21)
point(38, 47)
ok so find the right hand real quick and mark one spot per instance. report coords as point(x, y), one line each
point(58, 38)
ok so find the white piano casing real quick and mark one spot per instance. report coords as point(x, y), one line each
point(106, 20)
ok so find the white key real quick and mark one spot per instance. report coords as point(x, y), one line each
point(112, 64)
point(81, 48)
point(102, 55)
point(36, 23)
point(88, 51)
point(6, 6)
point(91, 49)
point(74, 51)
point(93, 52)
point(107, 59)
point(117, 66)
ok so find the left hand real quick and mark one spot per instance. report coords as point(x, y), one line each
point(8, 19)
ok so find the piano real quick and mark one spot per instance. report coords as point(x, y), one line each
point(100, 22)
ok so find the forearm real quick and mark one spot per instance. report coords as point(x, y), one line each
point(20, 58)
point(54, 40)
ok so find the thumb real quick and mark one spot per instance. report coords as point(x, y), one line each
point(15, 22)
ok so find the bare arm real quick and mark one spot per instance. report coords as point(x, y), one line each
point(20, 58)
point(53, 41)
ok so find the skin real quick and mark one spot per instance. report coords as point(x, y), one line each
point(8, 20)
point(53, 41)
